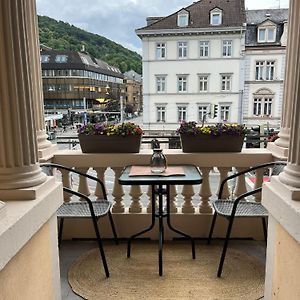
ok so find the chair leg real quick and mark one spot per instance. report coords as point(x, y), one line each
point(99, 241)
point(60, 231)
point(212, 228)
point(111, 220)
point(225, 246)
point(264, 229)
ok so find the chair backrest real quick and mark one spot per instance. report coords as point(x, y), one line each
point(276, 166)
point(48, 167)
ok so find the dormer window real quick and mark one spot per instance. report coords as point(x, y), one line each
point(266, 32)
point(216, 17)
point(45, 58)
point(183, 18)
point(61, 58)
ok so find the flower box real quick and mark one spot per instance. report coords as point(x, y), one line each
point(109, 144)
point(211, 138)
point(110, 138)
point(211, 143)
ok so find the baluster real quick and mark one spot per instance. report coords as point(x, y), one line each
point(100, 175)
point(223, 175)
point(188, 193)
point(149, 194)
point(205, 192)
point(259, 176)
point(83, 186)
point(66, 183)
point(173, 194)
point(135, 193)
point(240, 187)
point(118, 192)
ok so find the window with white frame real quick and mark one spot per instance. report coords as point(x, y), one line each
point(259, 70)
point(270, 65)
point(216, 17)
point(264, 70)
point(183, 19)
point(266, 35)
point(225, 82)
point(227, 48)
point(224, 112)
point(161, 84)
point(204, 48)
point(61, 58)
point(202, 112)
point(203, 83)
point(45, 58)
point(160, 50)
point(182, 83)
point(262, 106)
point(182, 49)
point(161, 114)
point(182, 113)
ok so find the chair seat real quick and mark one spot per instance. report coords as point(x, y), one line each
point(81, 209)
point(244, 209)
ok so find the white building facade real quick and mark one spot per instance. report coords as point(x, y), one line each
point(266, 38)
point(193, 64)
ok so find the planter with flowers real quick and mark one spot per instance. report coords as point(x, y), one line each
point(110, 138)
point(211, 138)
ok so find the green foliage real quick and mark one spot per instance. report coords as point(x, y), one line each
point(63, 36)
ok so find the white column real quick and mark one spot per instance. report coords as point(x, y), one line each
point(291, 173)
point(45, 147)
point(278, 196)
point(18, 146)
point(280, 147)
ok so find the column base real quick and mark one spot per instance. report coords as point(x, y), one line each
point(279, 200)
point(47, 153)
point(30, 193)
point(2, 210)
point(283, 249)
point(277, 151)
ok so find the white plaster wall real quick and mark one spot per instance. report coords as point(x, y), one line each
point(252, 86)
point(192, 66)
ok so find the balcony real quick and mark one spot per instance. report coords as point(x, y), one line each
point(190, 204)
point(29, 265)
point(191, 209)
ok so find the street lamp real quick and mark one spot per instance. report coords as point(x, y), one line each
point(121, 109)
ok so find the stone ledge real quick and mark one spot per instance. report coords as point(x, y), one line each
point(47, 153)
point(24, 218)
point(277, 198)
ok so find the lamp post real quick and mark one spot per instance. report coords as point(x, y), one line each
point(121, 109)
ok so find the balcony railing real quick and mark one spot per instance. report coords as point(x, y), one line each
point(190, 205)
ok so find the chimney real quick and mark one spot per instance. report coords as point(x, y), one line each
point(151, 20)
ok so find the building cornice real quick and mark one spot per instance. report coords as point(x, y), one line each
point(189, 31)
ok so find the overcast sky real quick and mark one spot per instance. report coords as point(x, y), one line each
point(118, 19)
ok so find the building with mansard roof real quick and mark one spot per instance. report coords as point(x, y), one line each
point(266, 38)
point(76, 81)
point(193, 60)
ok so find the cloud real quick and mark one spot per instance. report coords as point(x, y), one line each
point(118, 19)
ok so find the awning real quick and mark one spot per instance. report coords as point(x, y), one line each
point(102, 100)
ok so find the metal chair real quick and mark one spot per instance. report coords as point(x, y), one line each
point(236, 208)
point(84, 209)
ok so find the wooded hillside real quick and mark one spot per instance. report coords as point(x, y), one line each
point(63, 36)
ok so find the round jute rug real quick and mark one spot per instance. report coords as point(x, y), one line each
point(184, 278)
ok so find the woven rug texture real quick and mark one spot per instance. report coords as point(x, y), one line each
point(183, 278)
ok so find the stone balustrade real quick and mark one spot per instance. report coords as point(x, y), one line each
point(187, 202)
